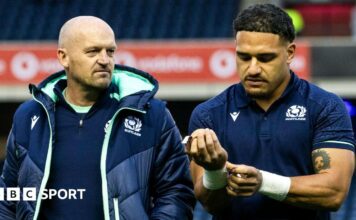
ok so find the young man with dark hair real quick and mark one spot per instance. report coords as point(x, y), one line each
point(256, 147)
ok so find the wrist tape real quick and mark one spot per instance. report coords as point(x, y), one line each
point(215, 179)
point(274, 186)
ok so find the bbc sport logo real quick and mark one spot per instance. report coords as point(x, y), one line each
point(29, 194)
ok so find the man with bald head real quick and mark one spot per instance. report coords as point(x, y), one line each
point(79, 39)
point(94, 143)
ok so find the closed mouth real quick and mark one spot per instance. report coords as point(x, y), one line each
point(255, 81)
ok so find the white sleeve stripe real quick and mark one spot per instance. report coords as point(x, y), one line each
point(337, 142)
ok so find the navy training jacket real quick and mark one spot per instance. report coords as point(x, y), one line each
point(144, 170)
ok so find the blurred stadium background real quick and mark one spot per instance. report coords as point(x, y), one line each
point(186, 44)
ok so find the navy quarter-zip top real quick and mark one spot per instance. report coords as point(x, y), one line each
point(76, 158)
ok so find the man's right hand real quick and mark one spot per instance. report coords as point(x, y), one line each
point(205, 150)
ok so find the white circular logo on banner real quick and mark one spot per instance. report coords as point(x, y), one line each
point(24, 66)
point(125, 58)
point(223, 64)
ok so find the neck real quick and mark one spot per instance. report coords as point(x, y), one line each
point(265, 103)
point(81, 98)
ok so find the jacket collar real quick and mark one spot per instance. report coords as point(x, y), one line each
point(131, 87)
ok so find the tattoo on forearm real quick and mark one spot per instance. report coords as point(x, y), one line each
point(321, 160)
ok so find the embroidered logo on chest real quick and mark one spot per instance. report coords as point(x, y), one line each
point(133, 125)
point(296, 113)
point(234, 115)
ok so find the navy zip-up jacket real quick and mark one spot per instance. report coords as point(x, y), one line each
point(144, 170)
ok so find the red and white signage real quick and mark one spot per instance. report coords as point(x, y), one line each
point(168, 62)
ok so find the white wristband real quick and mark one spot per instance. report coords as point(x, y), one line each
point(215, 179)
point(274, 186)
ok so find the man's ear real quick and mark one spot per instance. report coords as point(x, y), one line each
point(63, 57)
point(290, 52)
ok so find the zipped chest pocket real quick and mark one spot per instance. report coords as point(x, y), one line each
point(116, 209)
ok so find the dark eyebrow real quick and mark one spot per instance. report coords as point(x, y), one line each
point(266, 54)
point(266, 57)
point(262, 57)
point(242, 53)
point(257, 55)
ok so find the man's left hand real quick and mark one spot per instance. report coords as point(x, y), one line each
point(243, 180)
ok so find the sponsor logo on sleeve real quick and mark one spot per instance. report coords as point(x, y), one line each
point(34, 120)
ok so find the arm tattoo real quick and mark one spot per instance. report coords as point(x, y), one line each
point(321, 160)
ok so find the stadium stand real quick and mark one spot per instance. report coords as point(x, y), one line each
point(40, 20)
point(148, 19)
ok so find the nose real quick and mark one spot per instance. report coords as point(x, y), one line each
point(103, 58)
point(254, 67)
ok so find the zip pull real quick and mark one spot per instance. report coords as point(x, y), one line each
point(81, 123)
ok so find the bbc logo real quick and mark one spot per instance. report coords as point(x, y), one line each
point(29, 194)
point(14, 194)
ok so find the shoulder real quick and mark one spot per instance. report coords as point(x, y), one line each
point(332, 125)
point(218, 102)
point(157, 110)
point(26, 110)
point(207, 114)
point(319, 98)
point(25, 116)
point(155, 105)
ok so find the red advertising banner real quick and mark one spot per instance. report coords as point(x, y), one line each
point(169, 62)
